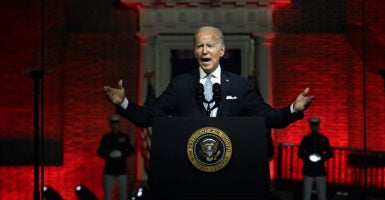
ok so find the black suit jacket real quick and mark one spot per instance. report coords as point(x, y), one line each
point(238, 98)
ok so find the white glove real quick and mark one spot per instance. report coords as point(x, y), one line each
point(315, 157)
point(115, 154)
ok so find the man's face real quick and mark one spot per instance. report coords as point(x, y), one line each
point(314, 128)
point(208, 50)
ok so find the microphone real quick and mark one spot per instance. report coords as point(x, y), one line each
point(216, 95)
point(200, 95)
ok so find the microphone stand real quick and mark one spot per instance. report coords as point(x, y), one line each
point(208, 110)
point(37, 77)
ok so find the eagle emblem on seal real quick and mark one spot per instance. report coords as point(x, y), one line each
point(210, 149)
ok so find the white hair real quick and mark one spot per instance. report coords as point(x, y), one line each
point(211, 28)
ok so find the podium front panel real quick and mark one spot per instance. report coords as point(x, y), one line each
point(173, 176)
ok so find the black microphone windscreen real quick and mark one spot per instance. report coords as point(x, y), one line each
point(216, 89)
point(200, 90)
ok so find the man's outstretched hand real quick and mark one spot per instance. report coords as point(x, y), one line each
point(303, 101)
point(115, 95)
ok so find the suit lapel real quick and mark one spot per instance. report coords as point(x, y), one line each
point(225, 87)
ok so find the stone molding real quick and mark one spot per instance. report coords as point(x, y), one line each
point(181, 17)
point(197, 3)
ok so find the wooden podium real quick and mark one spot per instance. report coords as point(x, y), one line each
point(209, 158)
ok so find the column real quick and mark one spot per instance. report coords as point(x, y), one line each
point(263, 64)
point(146, 61)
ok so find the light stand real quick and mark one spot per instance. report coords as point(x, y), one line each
point(37, 79)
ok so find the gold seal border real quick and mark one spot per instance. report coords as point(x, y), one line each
point(226, 141)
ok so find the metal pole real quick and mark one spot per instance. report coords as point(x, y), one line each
point(36, 76)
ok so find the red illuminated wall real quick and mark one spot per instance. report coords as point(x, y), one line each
point(333, 72)
point(327, 63)
point(78, 65)
point(86, 59)
point(330, 66)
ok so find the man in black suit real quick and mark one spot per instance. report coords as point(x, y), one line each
point(184, 95)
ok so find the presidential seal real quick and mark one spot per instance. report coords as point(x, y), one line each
point(209, 149)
